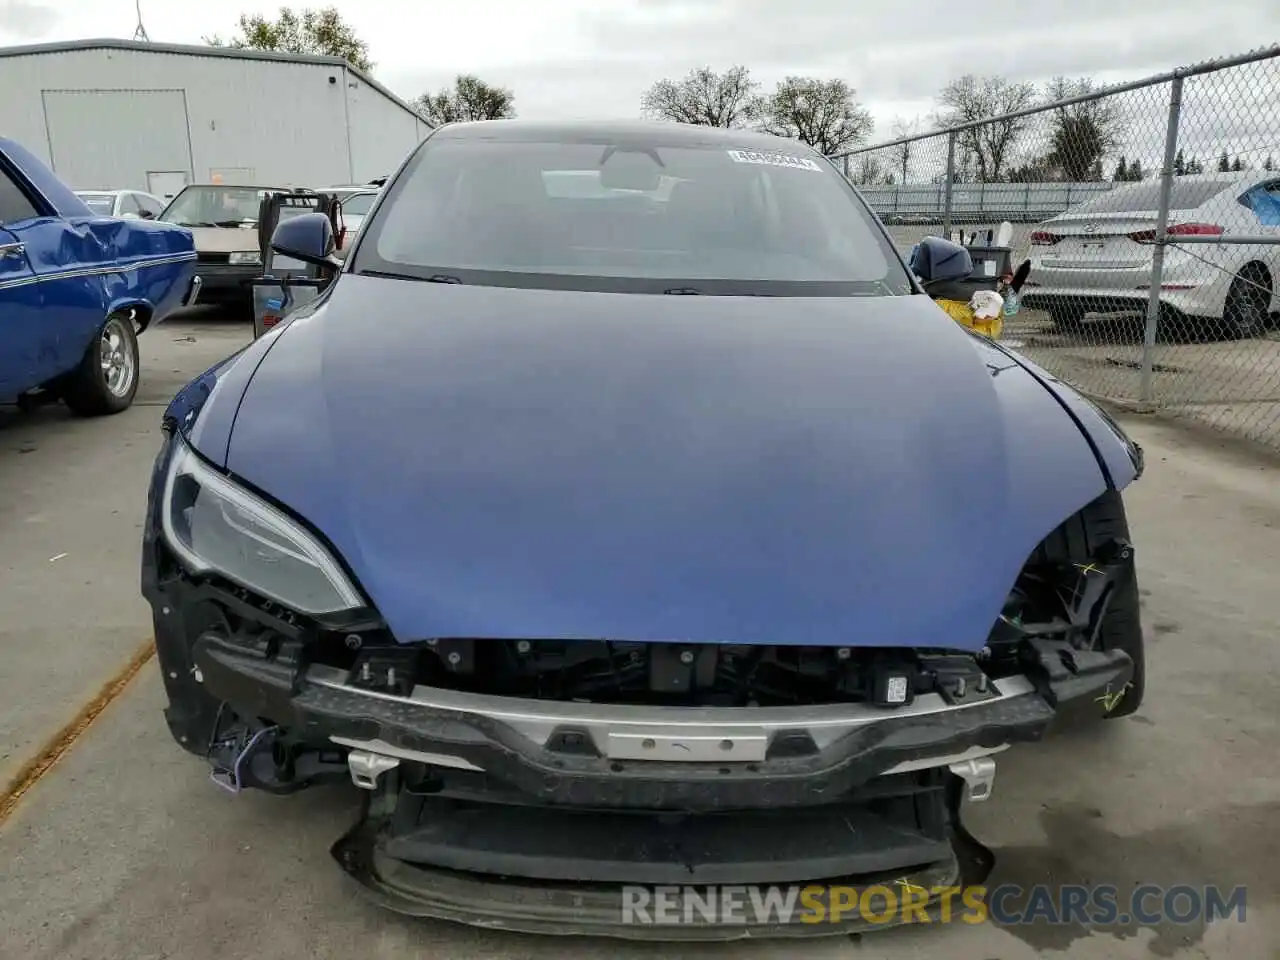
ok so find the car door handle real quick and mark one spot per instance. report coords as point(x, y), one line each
point(12, 250)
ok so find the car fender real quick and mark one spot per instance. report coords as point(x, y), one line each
point(1119, 456)
point(207, 425)
point(151, 265)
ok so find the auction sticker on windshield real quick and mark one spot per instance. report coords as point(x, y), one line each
point(772, 159)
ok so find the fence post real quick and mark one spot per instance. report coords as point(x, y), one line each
point(845, 161)
point(946, 190)
point(1162, 236)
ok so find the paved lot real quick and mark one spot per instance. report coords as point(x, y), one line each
point(72, 494)
point(1231, 386)
point(124, 849)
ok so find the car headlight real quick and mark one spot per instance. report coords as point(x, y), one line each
point(245, 257)
point(216, 526)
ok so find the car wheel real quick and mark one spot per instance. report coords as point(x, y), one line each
point(1245, 313)
point(1100, 522)
point(1178, 327)
point(107, 378)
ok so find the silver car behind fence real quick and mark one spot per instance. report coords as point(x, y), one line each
point(1150, 212)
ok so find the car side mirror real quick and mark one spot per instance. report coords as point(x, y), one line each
point(146, 215)
point(935, 260)
point(307, 237)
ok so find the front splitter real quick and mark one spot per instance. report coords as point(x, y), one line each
point(560, 907)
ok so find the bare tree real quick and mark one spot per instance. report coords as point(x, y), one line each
point(1082, 134)
point(824, 114)
point(902, 152)
point(867, 169)
point(991, 144)
point(470, 99)
point(705, 98)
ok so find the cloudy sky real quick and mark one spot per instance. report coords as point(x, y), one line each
point(594, 58)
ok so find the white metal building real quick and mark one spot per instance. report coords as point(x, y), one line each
point(121, 114)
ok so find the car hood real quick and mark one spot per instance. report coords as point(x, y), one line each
point(508, 463)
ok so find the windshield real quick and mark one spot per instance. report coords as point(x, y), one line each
point(636, 217)
point(358, 204)
point(215, 206)
point(103, 203)
point(1184, 195)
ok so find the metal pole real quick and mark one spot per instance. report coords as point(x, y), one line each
point(1161, 238)
point(951, 175)
point(845, 158)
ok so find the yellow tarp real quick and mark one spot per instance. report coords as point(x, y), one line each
point(959, 311)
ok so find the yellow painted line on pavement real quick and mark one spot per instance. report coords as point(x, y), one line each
point(61, 742)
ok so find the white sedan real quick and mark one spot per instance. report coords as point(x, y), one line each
point(1097, 257)
point(129, 204)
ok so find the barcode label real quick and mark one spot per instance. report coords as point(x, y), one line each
point(772, 159)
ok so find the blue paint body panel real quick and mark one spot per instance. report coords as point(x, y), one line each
point(74, 270)
point(494, 462)
point(205, 410)
point(1113, 448)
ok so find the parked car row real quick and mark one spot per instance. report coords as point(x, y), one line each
point(224, 221)
point(83, 272)
point(127, 204)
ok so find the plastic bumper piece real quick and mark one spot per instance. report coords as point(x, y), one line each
point(571, 754)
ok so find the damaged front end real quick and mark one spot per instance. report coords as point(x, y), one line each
point(523, 784)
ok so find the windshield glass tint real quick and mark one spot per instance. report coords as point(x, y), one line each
point(100, 203)
point(357, 205)
point(1146, 196)
point(635, 217)
point(215, 206)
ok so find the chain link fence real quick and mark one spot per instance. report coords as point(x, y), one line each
point(1150, 212)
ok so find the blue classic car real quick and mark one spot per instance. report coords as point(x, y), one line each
point(76, 289)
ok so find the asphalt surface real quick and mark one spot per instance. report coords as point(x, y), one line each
point(124, 849)
point(72, 493)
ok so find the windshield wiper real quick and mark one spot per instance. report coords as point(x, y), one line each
point(233, 223)
point(683, 292)
point(434, 278)
point(196, 223)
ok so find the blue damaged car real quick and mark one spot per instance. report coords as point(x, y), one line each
point(623, 511)
point(76, 288)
